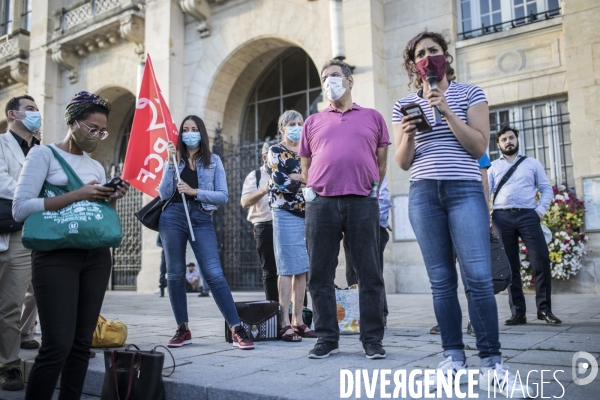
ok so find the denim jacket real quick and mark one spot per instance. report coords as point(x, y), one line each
point(212, 185)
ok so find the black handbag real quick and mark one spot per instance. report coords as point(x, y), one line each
point(149, 215)
point(501, 271)
point(134, 374)
point(7, 223)
point(260, 320)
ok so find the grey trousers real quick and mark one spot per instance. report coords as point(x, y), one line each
point(15, 277)
point(29, 315)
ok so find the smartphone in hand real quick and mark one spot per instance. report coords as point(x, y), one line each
point(415, 111)
point(113, 183)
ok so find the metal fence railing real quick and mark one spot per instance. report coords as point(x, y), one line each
point(544, 137)
point(235, 235)
point(127, 259)
point(502, 26)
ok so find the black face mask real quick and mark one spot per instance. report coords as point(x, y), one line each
point(512, 151)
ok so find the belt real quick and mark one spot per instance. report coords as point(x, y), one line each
point(264, 223)
point(513, 209)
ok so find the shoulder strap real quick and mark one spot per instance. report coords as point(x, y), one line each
point(257, 174)
point(74, 180)
point(507, 176)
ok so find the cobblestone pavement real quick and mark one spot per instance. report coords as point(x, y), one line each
point(211, 369)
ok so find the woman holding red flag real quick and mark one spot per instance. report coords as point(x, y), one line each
point(204, 186)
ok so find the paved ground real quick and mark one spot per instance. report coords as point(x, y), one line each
point(212, 369)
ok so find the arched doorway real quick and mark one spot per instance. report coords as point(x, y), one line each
point(127, 259)
point(289, 81)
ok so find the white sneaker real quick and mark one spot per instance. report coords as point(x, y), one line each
point(157, 291)
point(504, 382)
point(454, 366)
point(449, 365)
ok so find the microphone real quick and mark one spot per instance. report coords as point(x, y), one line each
point(433, 81)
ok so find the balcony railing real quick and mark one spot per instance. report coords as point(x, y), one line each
point(503, 26)
point(86, 11)
point(14, 52)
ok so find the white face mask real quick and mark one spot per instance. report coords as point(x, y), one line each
point(334, 88)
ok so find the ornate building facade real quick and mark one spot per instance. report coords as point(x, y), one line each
point(239, 63)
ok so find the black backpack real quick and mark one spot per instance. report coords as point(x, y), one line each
point(501, 271)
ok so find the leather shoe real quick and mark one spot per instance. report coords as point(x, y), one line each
point(548, 317)
point(11, 379)
point(516, 320)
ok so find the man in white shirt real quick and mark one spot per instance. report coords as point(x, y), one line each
point(192, 278)
point(24, 121)
point(254, 197)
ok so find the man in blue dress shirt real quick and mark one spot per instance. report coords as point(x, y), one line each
point(517, 214)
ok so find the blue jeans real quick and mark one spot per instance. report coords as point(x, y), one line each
point(174, 233)
point(447, 214)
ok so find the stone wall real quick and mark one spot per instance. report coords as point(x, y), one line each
point(211, 75)
point(403, 20)
point(582, 61)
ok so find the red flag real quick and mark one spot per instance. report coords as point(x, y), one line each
point(153, 127)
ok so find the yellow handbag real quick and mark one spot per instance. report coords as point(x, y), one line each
point(109, 333)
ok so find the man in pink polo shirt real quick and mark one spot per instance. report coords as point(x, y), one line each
point(344, 151)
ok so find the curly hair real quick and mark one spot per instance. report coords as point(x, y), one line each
point(409, 57)
point(505, 129)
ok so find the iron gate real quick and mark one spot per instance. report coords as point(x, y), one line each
point(127, 259)
point(237, 248)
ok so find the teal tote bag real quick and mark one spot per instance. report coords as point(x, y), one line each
point(81, 225)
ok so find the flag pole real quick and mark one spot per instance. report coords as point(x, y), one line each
point(187, 213)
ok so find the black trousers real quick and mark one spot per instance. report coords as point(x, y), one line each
point(384, 237)
point(263, 235)
point(69, 287)
point(357, 218)
point(525, 224)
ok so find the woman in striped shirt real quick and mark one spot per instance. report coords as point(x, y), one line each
point(447, 207)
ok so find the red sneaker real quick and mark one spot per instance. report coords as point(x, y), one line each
point(240, 339)
point(182, 337)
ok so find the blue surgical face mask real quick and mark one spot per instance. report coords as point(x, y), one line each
point(293, 133)
point(32, 120)
point(191, 139)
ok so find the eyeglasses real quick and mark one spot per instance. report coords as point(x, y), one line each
point(94, 132)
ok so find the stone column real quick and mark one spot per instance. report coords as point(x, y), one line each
point(403, 20)
point(164, 41)
point(16, 15)
point(44, 74)
point(582, 48)
point(364, 29)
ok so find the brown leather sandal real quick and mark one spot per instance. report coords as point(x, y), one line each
point(304, 331)
point(289, 337)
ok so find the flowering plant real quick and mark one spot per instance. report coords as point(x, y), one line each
point(564, 218)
